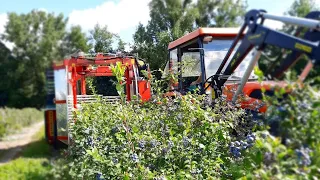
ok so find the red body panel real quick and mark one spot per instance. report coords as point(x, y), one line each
point(50, 120)
point(144, 90)
point(217, 32)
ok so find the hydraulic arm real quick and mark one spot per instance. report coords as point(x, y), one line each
point(312, 35)
point(258, 36)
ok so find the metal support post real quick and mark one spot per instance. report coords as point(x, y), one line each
point(246, 75)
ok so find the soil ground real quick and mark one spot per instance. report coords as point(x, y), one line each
point(11, 145)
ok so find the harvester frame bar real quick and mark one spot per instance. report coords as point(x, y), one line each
point(259, 36)
point(308, 23)
point(292, 58)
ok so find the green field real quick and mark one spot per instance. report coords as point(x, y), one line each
point(12, 120)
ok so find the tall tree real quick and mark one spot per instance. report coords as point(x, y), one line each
point(36, 38)
point(7, 67)
point(101, 39)
point(75, 40)
point(39, 38)
point(225, 13)
point(170, 19)
point(121, 45)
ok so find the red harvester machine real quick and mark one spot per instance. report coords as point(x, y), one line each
point(66, 88)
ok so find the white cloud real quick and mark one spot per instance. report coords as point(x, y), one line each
point(118, 16)
point(9, 45)
point(3, 22)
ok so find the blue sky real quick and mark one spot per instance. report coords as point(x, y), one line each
point(122, 16)
point(67, 6)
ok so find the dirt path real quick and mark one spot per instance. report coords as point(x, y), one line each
point(17, 141)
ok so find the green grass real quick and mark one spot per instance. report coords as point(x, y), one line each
point(26, 168)
point(12, 120)
point(39, 148)
point(33, 162)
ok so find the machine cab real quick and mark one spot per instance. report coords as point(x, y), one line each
point(198, 56)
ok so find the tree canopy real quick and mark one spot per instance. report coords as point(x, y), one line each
point(75, 40)
point(101, 39)
point(39, 38)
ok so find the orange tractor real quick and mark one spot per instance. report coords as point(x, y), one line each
point(221, 60)
point(66, 88)
point(214, 45)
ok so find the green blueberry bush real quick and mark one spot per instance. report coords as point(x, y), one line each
point(186, 138)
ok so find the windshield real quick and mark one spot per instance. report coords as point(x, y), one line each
point(216, 50)
point(190, 63)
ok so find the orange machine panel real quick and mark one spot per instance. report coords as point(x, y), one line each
point(217, 32)
point(50, 120)
point(246, 102)
point(249, 102)
point(144, 90)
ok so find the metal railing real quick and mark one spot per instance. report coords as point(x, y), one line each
point(89, 99)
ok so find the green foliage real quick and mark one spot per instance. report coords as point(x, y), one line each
point(101, 39)
point(60, 170)
point(35, 36)
point(75, 40)
point(296, 116)
point(302, 7)
point(12, 120)
point(26, 168)
point(183, 138)
point(121, 45)
point(295, 120)
point(220, 13)
point(7, 64)
point(118, 71)
point(39, 38)
point(173, 138)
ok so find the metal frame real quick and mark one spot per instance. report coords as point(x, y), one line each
point(203, 68)
point(79, 67)
point(246, 75)
point(199, 41)
point(179, 58)
point(259, 36)
point(292, 58)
